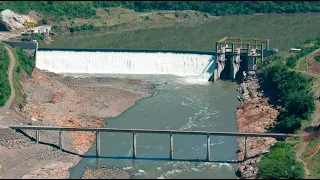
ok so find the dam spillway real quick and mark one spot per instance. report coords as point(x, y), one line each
point(179, 64)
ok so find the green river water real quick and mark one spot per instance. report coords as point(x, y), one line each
point(179, 105)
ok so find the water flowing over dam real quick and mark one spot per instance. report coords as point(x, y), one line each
point(179, 64)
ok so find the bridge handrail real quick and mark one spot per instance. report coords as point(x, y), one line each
point(56, 128)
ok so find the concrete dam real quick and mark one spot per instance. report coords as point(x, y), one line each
point(231, 58)
point(98, 62)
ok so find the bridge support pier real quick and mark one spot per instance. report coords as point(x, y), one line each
point(134, 145)
point(60, 140)
point(245, 148)
point(232, 59)
point(171, 145)
point(97, 144)
point(37, 136)
point(261, 52)
point(208, 147)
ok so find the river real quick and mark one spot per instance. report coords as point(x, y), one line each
point(177, 103)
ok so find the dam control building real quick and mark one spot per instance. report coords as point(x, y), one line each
point(234, 55)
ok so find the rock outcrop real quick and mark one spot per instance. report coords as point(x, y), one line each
point(255, 114)
point(104, 173)
point(11, 21)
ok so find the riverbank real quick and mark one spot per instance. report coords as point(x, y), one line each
point(56, 100)
point(254, 114)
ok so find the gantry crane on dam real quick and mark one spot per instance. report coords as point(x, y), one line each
point(234, 55)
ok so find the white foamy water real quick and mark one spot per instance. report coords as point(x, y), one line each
point(178, 64)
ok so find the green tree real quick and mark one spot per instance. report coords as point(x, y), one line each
point(280, 163)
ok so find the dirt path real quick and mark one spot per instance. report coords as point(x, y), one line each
point(300, 151)
point(10, 74)
point(315, 121)
point(4, 110)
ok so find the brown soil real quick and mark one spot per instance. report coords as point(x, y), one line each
point(315, 66)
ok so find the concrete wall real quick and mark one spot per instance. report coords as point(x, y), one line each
point(23, 45)
point(126, 50)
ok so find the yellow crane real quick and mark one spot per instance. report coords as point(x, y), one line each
point(29, 24)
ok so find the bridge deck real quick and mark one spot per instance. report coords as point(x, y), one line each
point(156, 131)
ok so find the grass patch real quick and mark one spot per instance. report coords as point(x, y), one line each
point(314, 162)
point(201, 34)
point(26, 61)
point(303, 65)
point(304, 123)
point(24, 65)
point(17, 76)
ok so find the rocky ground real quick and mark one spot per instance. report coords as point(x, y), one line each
point(255, 114)
point(55, 100)
point(104, 173)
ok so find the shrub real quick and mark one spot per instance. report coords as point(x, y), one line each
point(44, 21)
point(25, 39)
point(291, 62)
point(280, 163)
point(176, 14)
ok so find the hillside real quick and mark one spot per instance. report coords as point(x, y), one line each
point(86, 9)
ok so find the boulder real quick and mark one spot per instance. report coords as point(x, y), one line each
point(11, 21)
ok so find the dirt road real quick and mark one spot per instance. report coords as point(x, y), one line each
point(314, 122)
point(4, 111)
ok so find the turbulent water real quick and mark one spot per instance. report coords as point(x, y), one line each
point(185, 100)
point(176, 104)
point(179, 64)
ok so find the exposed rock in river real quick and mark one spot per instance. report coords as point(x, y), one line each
point(255, 114)
point(104, 173)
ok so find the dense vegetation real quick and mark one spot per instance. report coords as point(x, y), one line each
point(81, 28)
point(26, 61)
point(5, 90)
point(218, 8)
point(280, 163)
point(291, 89)
point(86, 9)
point(292, 60)
point(33, 36)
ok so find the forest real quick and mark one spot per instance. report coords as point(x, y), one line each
point(86, 9)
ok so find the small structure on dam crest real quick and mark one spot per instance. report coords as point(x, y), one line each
point(234, 56)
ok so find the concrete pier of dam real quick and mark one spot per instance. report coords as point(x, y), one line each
point(231, 58)
point(235, 56)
